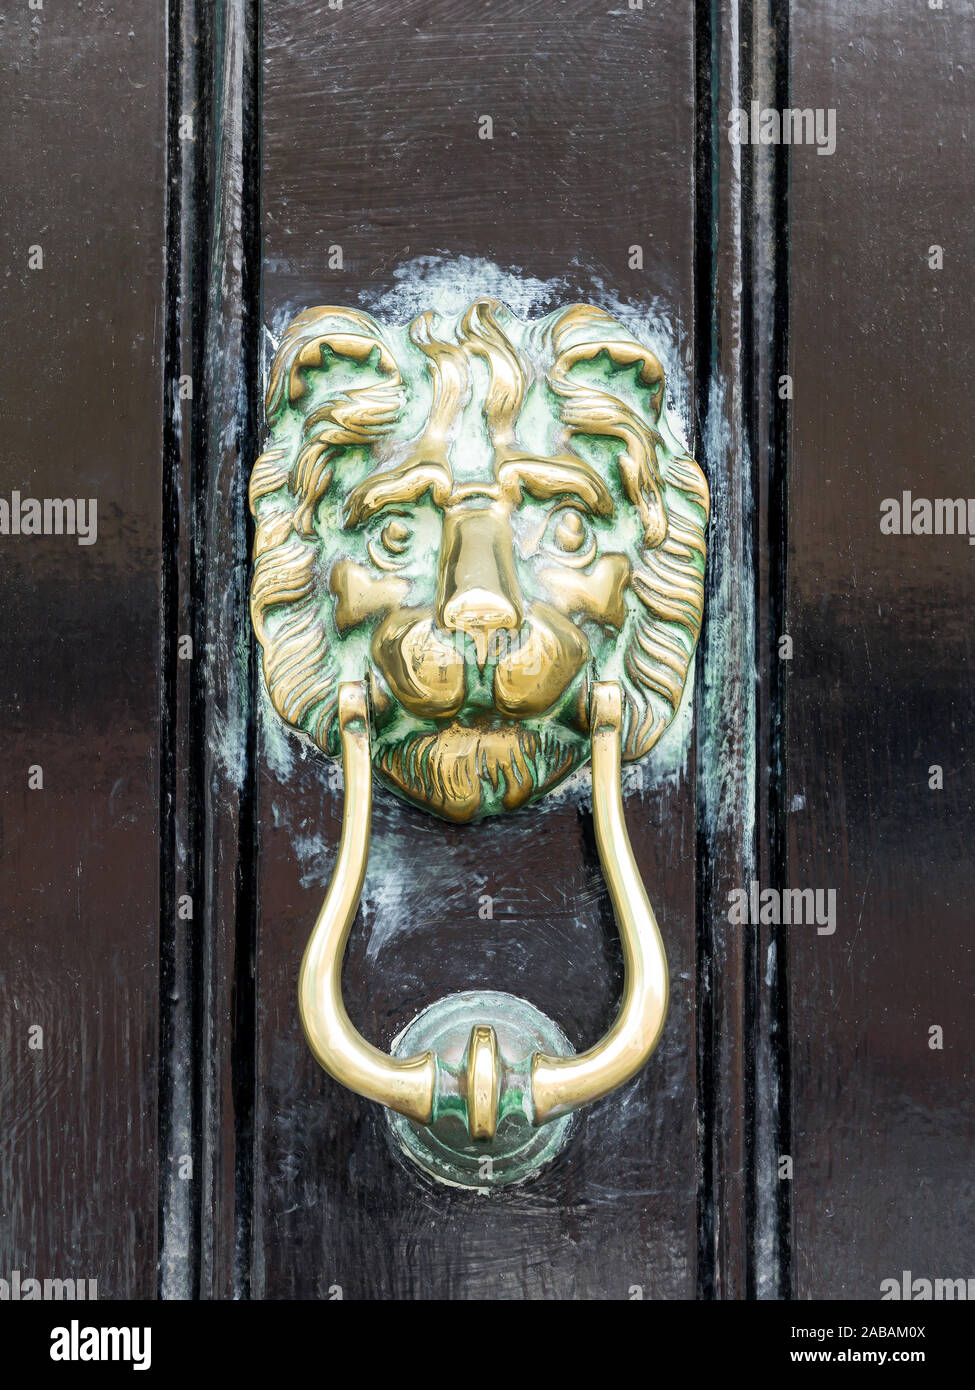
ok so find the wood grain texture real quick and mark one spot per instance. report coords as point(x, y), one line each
point(370, 141)
point(881, 685)
point(82, 151)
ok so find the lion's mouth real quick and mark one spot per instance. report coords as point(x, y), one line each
point(463, 769)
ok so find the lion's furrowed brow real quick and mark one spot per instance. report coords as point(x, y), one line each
point(399, 485)
point(551, 477)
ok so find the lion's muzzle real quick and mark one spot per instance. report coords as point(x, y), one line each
point(434, 673)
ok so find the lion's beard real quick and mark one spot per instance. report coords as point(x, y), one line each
point(452, 770)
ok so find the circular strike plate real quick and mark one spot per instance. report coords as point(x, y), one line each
point(444, 1148)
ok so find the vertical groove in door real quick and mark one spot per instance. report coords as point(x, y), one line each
point(213, 325)
point(741, 252)
point(778, 552)
point(704, 211)
point(765, 171)
point(742, 285)
point(725, 704)
point(753, 1266)
point(249, 405)
point(180, 1090)
point(230, 384)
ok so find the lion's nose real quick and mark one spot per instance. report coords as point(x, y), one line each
point(480, 610)
point(477, 589)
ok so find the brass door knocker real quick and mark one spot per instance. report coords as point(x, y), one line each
point(478, 564)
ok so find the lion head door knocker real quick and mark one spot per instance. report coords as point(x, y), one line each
point(478, 563)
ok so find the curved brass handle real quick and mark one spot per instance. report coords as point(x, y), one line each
point(560, 1084)
point(403, 1084)
point(416, 1086)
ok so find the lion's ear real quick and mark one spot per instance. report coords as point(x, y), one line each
point(354, 416)
point(592, 409)
point(648, 378)
point(346, 332)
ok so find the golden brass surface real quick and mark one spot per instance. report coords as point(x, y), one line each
point(483, 1082)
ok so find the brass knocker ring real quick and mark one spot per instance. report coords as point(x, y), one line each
point(424, 1087)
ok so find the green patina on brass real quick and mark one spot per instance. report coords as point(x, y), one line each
point(444, 1148)
point(478, 516)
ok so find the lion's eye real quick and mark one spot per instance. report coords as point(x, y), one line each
point(569, 536)
point(570, 532)
point(395, 537)
point(388, 546)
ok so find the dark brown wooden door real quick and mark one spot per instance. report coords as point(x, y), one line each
point(192, 178)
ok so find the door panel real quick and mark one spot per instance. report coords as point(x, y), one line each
point(370, 128)
point(80, 696)
point(880, 689)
